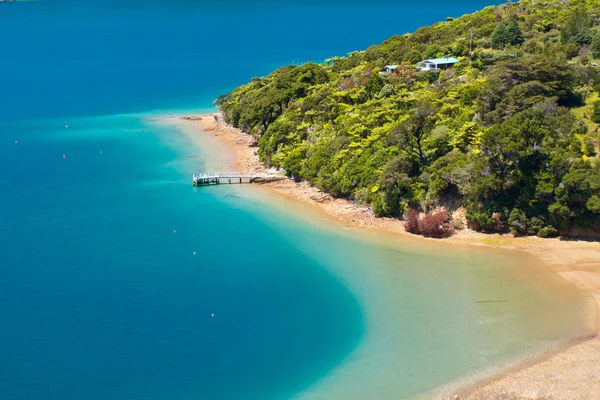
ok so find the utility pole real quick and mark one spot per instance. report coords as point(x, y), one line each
point(470, 42)
point(470, 47)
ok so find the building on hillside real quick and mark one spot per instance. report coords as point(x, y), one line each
point(435, 64)
point(389, 70)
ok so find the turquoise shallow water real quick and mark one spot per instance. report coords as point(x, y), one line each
point(100, 297)
point(433, 313)
point(103, 300)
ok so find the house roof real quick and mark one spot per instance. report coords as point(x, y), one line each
point(446, 60)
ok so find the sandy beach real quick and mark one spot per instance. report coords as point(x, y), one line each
point(572, 372)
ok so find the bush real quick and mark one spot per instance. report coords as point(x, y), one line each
point(507, 33)
point(596, 112)
point(535, 225)
point(548, 231)
point(431, 76)
point(436, 224)
point(589, 148)
point(387, 91)
point(481, 221)
point(595, 45)
point(412, 221)
point(517, 221)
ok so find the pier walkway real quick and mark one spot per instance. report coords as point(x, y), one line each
point(232, 177)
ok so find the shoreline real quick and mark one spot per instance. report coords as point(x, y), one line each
point(564, 372)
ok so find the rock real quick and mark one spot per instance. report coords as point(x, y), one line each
point(320, 198)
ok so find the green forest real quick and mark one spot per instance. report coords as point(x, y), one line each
point(509, 134)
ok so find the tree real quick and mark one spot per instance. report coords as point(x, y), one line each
point(596, 112)
point(374, 85)
point(593, 204)
point(516, 85)
point(432, 51)
point(409, 135)
point(517, 221)
point(414, 56)
point(395, 184)
point(387, 90)
point(595, 44)
point(498, 38)
point(589, 148)
point(576, 29)
point(507, 33)
point(458, 49)
point(497, 136)
point(514, 34)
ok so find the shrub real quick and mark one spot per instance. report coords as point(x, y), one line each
point(346, 84)
point(507, 33)
point(535, 225)
point(593, 204)
point(387, 90)
point(548, 231)
point(436, 224)
point(560, 214)
point(412, 221)
point(379, 207)
point(589, 148)
point(580, 127)
point(414, 56)
point(517, 221)
point(430, 76)
point(595, 45)
point(481, 221)
point(596, 112)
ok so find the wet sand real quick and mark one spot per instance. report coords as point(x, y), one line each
point(572, 372)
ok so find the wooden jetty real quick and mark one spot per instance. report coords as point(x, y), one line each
point(232, 177)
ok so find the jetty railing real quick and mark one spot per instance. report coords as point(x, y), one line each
point(232, 177)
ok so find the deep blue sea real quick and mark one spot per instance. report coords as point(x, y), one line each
point(101, 295)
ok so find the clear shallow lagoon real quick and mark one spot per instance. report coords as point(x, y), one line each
point(101, 299)
point(433, 313)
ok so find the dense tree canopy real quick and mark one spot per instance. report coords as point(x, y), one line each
point(507, 33)
point(510, 133)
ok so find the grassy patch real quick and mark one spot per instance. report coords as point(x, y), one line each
point(586, 110)
point(497, 241)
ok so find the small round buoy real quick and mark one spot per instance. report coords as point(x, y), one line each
point(212, 315)
point(66, 126)
point(194, 253)
point(100, 151)
point(174, 231)
point(16, 142)
point(64, 156)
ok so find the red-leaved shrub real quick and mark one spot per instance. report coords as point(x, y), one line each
point(436, 224)
point(346, 83)
point(412, 221)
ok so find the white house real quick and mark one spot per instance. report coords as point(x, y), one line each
point(435, 64)
point(389, 69)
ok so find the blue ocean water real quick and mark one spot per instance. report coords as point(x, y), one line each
point(102, 299)
point(101, 296)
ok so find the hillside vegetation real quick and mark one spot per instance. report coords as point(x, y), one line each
point(509, 133)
